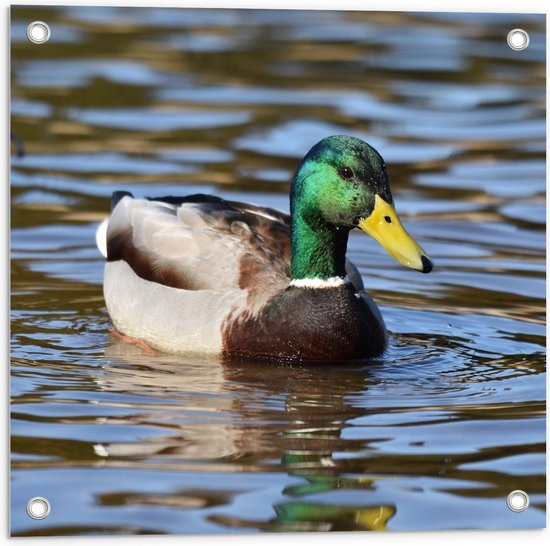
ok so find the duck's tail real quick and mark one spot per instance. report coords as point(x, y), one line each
point(101, 237)
point(101, 233)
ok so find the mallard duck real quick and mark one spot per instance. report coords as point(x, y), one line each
point(199, 274)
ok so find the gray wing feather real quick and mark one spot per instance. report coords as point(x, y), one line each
point(199, 246)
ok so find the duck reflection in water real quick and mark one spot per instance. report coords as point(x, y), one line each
point(234, 417)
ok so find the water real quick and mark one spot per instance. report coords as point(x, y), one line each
point(435, 434)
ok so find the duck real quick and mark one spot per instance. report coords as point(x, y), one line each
point(201, 274)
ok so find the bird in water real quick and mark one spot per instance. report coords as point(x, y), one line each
point(200, 274)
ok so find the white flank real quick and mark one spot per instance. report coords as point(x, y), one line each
point(332, 282)
point(101, 237)
point(171, 320)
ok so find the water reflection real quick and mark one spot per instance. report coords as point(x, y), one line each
point(244, 418)
point(265, 409)
point(283, 417)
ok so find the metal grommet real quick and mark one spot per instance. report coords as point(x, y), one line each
point(518, 39)
point(38, 32)
point(518, 500)
point(38, 508)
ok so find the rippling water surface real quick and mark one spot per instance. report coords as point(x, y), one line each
point(435, 434)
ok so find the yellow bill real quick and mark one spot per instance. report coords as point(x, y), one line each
point(384, 226)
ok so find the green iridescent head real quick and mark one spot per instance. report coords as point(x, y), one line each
point(338, 179)
point(341, 184)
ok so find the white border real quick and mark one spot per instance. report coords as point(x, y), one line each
point(434, 538)
point(488, 6)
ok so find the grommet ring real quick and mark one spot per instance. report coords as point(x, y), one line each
point(38, 508)
point(518, 39)
point(518, 501)
point(38, 32)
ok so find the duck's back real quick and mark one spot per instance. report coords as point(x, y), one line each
point(176, 267)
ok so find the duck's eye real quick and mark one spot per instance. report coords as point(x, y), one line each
point(345, 172)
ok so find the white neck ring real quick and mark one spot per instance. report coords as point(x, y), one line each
point(332, 282)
